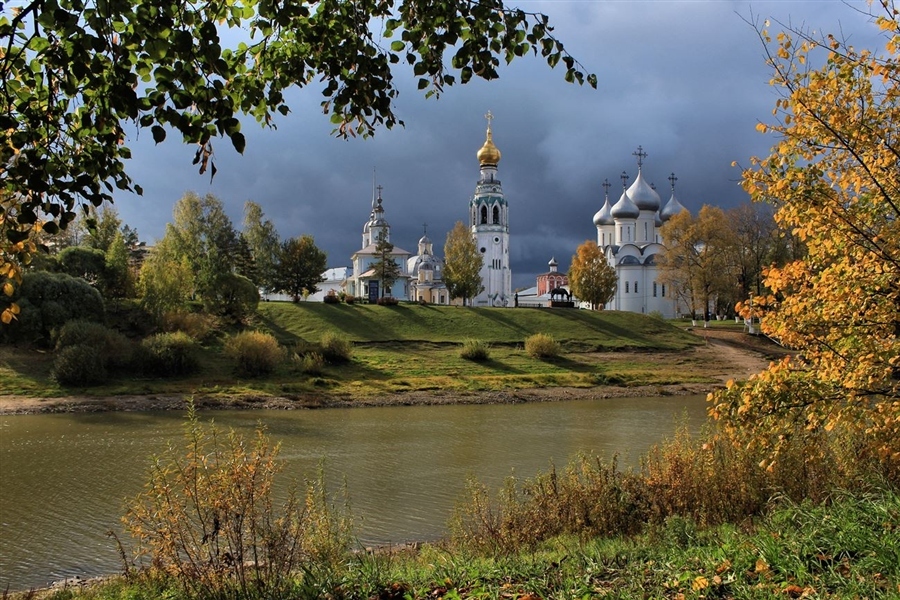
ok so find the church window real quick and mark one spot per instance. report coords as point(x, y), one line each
point(621, 233)
point(646, 235)
point(654, 289)
point(496, 215)
point(626, 287)
point(484, 215)
point(635, 287)
point(663, 290)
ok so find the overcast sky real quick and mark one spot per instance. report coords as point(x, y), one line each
point(686, 80)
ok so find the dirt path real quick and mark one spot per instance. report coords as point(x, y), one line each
point(725, 355)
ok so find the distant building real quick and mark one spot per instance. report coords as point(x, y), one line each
point(628, 234)
point(426, 272)
point(552, 279)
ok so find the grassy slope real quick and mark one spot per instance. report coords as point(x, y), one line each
point(579, 329)
point(409, 348)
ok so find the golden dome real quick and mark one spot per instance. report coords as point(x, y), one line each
point(489, 154)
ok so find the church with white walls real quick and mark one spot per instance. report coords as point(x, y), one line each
point(628, 234)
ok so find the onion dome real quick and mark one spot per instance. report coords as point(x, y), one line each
point(425, 240)
point(553, 262)
point(604, 216)
point(489, 154)
point(625, 208)
point(643, 195)
point(673, 206)
point(657, 221)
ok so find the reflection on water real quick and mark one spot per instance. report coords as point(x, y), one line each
point(64, 478)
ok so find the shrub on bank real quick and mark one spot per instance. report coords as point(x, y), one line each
point(169, 354)
point(114, 348)
point(197, 325)
point(254, 353)
point(80, 365)
point(335, 348)
point(388, 301)
point(475, 350)
point(541, 345)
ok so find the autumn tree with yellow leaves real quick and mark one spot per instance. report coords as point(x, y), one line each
point(833, 177)
point(591, 277)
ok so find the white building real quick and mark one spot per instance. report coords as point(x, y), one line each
point(489, 221)
point(426, 275)
point(365, 281)
point(628, 234)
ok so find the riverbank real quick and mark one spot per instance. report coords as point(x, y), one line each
point(723, 355)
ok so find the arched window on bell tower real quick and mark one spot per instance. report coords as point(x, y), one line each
point(496, 215)
point(484, 214)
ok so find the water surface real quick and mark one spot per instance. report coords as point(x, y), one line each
point(64, 478)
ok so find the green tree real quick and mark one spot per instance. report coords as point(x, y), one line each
point(76, 74)
point(117, 276)
point(102, 226)
point(263, 240)
point(166, 281)
point(300, 267)
point(385, 265)
point(202, 234)
point(591, 277)
point(462, 264)
point(833, 178)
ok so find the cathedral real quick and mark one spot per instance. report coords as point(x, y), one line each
point(628, 234)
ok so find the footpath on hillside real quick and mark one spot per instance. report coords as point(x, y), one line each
point(726, 354)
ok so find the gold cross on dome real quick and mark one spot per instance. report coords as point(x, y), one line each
point(489, 118)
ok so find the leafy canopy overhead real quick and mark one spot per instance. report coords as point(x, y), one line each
point(77, 75)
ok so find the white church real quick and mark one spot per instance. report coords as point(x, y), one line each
point(628, 234)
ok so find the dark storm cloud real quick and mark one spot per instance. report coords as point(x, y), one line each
point(685, 80)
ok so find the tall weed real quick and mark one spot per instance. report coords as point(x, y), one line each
point(208, 518)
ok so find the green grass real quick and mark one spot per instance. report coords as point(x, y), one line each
point(579, 329)
point(409, 348)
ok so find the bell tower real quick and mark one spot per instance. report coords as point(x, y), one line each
point(489, 220)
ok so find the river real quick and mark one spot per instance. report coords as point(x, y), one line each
point(64, 478)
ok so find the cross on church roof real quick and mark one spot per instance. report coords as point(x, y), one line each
point(641, 155)
point(606, 186)
point(672, 180)
point(379, 188)
point(489, 118)
point(624, 177)
point(425, 227)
